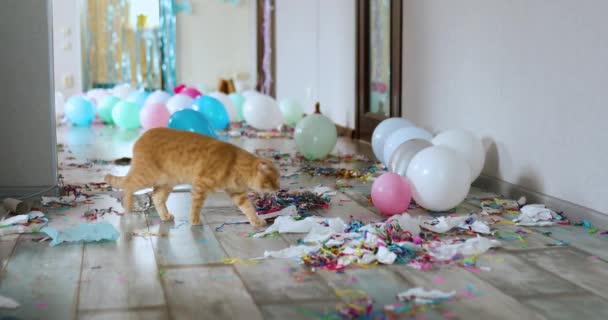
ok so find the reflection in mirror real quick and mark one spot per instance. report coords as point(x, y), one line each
point(380, 16)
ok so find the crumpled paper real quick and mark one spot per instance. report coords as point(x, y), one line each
point(8, 303)
point(407, 222)
point(60, 200)
point(445, 224)
point(536, 215)
point(23, 223)
point(384, 256)
point(422, 296)
point(291, 252)
point(470, 247)
point(87, 232)
point(321, 190)
point(311, 225)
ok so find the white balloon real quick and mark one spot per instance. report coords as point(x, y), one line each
point(383, 130)
point(262, 112)
point(158, 96)
point(251, 93)
point(230, 107)
point(59, 103)
point(179, 102)
point(465, 143)
point(440, 178)
point(121, 91)
point(396, 138)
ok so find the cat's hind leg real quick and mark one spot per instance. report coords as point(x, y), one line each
point(159, 196)
point(243, 202)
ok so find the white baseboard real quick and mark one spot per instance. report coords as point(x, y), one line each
point(20, 192)
point(572, 211)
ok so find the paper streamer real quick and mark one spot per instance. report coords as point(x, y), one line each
point(267, 50)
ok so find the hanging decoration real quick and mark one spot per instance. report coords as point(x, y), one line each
point(267, 50)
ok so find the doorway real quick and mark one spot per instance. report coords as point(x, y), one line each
point(378, 75)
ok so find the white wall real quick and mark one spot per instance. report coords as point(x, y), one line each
point(215, 41)
point(315, 55)
point(67, 52)
point(529, 75)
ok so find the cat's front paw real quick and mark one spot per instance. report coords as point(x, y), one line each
point(167, 217)
point(258, 222)
point(196, 221)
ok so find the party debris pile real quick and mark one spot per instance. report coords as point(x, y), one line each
point(330, 243)
point(241, 129)
point(304, 201)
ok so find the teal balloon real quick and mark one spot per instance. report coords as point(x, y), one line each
point(126, 115)
point(238, 100)
point(213, 110)
point(193, 121)
point(315, 136)
point(105, 107)
point(138, 97)
point(80, 111)
point(292, 111)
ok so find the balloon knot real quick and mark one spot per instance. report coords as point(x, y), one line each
point(317, 108)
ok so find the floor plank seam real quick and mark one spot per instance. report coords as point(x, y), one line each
point(77, 302)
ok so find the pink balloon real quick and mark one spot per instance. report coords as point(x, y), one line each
point(391, 193)
point(179, 88)
point(154, 115)
point(191, 92)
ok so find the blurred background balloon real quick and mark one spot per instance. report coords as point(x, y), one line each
point(262, 112)
point(316, 135)
point(158, 96)
point(227, 103)
point(138, 97)
point(391, 193)
point(383, 130)
point(126, 115)
point(179, 88)
point(59, 105)
point(467, 145)
point(96, 95)
point(105, 107)
point(292, 111)
point(154, 115)
point(122, 90)
point(238, 100)
point(250, 93)
point(440, 177)
point(80, 111)
point(191, 92)
point(400, 136)
point(213, 110)
point(179, 102)
point(193, 121)
point(404, 154)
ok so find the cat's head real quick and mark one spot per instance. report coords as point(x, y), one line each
point(267, 177)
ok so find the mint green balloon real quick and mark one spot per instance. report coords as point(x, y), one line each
point(315, 136)
point(126, 115)
point(238, 100)
point(292, 111)
point(105, 107)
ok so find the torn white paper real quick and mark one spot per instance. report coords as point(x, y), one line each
point(422, 296)
point(288, 211)
point(312, 225)
point(407, 222)
point(61, 200)
point(321, 190)
point(535, 215)
point(8, 303)
point(443, 224)
point(470, 247)
point(291, 252)
point(384, 256)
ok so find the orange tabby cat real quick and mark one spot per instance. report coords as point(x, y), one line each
point(164, 158)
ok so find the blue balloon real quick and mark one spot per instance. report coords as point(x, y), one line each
point(138, 97)
point(193, 121)
point(213, 110)
point(80, 111)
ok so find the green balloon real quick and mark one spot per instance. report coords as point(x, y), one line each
point(105, 106)
point(315, 136)
point(238, 100)
point(292, 111)
point(126, 115)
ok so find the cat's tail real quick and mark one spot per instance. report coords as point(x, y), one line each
point(114, 181)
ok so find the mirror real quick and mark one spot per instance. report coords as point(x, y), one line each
point(379, 57)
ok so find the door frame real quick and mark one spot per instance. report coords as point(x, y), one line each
point(260, 46)
point(365, 121)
